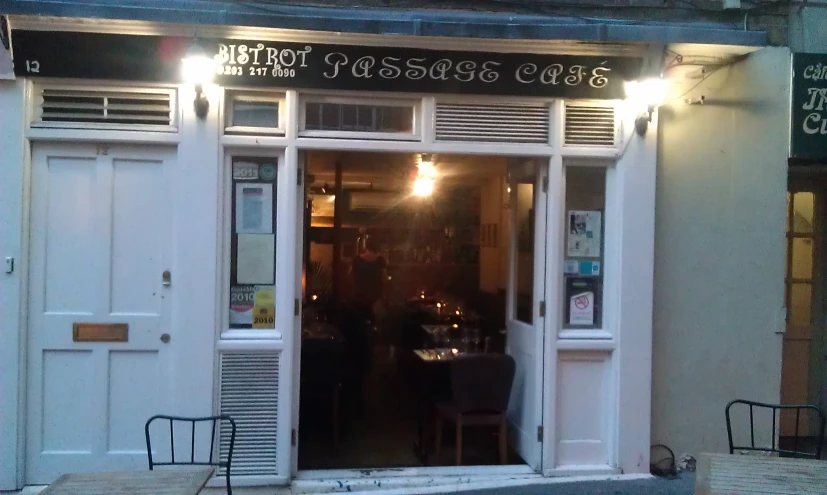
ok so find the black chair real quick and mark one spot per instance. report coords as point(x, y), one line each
point(216, 422)
point(480, 388)
point(817, 413)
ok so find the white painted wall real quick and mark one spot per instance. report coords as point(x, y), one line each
point(12, 149)
point(719, 251)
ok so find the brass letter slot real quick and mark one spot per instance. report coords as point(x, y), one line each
point(100, 332)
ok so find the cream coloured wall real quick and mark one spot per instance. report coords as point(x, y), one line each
point(719, 251)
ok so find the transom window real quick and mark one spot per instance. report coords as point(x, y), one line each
point(254, 114)
point(365, 119)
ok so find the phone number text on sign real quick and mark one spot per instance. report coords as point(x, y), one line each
point(259, 60)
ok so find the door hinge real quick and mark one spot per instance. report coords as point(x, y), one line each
point(540, 433)
point(293, 437)
point(300, 177)
point(545, 184)
point(542, 308)
point(296, 307)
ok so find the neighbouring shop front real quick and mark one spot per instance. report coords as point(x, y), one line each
point(200, 211)
point(803, 371)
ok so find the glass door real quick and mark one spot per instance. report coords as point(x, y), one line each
point(525, 310)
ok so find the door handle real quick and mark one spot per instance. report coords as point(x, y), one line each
point(165, 338)
point(166, 278)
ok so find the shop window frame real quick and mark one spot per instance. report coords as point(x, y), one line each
point(415, 104)
point(225, 331)
point(231, 97)
point(609, 260)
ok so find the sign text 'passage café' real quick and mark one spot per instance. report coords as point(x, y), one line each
point(241, 63)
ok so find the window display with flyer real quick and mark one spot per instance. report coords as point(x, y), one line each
point(584, 247)
point(253, 243)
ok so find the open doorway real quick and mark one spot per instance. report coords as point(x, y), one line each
point(410, 263)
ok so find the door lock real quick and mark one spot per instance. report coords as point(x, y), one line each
point(165, 338)
point(166, 278)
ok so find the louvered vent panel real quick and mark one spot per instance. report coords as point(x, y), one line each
point(106, 107)
point(249, 394)
point(589, 125)
point(492, 123)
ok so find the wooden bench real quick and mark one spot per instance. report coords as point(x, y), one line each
point(725, 474)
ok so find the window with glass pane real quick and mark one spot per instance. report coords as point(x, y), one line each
point(800, 301)
point(326, 116)
point(584, 247)
point(524, 264)
point(253, 242)
point(255, 114)
point(799, 260)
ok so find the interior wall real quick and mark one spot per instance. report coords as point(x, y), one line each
point(719, 250)
point(491, 208)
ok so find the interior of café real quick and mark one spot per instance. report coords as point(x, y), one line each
point(405, 270)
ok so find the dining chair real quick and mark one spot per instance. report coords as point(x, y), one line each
point(480, 389)
point(215, 422)
point(816, 414)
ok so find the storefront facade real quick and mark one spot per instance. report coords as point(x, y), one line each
point(124, 221)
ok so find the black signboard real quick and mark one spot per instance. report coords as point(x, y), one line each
point(808, 136)
point(323, 66)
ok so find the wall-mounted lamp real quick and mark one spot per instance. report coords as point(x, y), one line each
point(199, 69)
point(425, 176)
point(648, 94)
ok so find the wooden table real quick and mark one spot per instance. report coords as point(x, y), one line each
point(726, 474)
point(173, 481)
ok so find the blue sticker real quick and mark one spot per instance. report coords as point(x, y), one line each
point(589, 268)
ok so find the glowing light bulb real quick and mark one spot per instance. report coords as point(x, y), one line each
point(423, 187)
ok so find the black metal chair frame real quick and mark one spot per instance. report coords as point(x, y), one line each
point(192, 462)
point(775, 408)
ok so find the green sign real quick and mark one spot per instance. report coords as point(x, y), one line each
point(808, 136)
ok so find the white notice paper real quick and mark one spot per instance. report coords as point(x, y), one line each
point(255, 261)
point(254, 208)
point(584, 234)
point(581, 309)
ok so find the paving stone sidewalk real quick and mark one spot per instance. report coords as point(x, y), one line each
point(683, 485)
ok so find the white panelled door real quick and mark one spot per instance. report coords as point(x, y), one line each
point(100, 242)
point(524, 319)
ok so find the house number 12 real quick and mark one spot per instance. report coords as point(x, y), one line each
point(32, 66)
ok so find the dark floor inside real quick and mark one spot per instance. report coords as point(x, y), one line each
point(379, 427)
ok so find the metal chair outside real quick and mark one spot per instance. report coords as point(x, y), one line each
point(215, 422)
point(776, 408)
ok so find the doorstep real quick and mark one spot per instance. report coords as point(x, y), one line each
point(416, 485)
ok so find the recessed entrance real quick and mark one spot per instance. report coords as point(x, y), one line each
point(421, 281)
